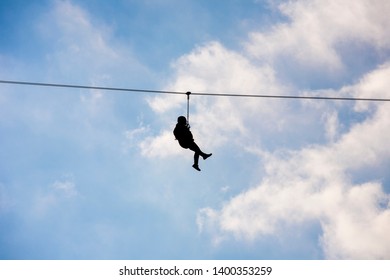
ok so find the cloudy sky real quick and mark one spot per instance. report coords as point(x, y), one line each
point(89, 174)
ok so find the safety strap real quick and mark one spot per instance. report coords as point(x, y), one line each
point(188, 107)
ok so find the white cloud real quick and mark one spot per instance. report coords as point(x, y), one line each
point(47, 200)
point(371, 86)
point(161, 146)
point(359, 229)
point(77, 39)
point(212, 67)
point(65, 187)
point(316, 29)
point(78, 49)
point(331, 125)
point(84, 50)
point(131, 135)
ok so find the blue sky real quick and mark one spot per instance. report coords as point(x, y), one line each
point(89, 174)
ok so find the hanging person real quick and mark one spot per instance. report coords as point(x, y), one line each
point(186, 140)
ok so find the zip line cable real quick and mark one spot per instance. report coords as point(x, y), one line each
point(194, 93)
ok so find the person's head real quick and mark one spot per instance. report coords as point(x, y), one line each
point(182, 120)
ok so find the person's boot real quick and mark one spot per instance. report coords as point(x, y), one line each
point(196, 167)
point(206, 156)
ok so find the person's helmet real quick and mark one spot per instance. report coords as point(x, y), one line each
point(182, 120)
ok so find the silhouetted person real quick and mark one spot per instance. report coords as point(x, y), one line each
point(186, 140)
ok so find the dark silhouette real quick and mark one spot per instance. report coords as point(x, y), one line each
point(186, 140)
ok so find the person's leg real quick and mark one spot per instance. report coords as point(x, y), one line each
point(198, 152)
point(196, 161)
point(193, 147)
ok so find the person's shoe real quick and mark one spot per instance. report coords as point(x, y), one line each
point(206, 156)
point(196, 167)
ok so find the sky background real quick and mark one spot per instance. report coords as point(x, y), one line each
point(89, 174)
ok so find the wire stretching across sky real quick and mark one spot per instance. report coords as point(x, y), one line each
point(193, 93)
